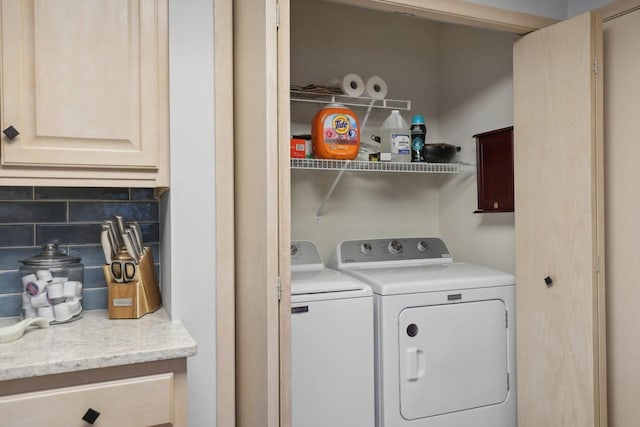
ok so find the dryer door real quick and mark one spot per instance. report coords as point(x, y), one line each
point(453, 357)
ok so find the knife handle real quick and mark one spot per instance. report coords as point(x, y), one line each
point(134, 241)
point(106, 245)
point(138, 233)
point(120, 224)
point(130, 248)
point(115, 236)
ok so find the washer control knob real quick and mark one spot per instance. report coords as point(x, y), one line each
point(423, 246)
point(366, 248)
point(395, 247)
point(294, 250)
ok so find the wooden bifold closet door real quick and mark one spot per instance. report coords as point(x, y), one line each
point(559, 225)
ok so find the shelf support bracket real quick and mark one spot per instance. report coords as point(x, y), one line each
point(331, 189)
point(337, 179)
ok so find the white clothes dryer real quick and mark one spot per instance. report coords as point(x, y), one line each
point(444, 334)
point(332, 376)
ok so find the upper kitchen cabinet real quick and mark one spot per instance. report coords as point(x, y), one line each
point(85, 85)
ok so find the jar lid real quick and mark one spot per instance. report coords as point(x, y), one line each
point(51, 256)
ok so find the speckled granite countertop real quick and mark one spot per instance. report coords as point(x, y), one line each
point(93, 341)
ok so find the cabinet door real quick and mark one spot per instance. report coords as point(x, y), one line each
point(494, 155)
point(559, 225)
point(81, 83)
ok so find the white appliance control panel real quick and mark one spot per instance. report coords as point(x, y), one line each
point(305, 252)
point(305, 256)
point(410, 250)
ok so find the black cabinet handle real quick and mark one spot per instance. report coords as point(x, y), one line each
point(548, 280)
point(91, 416)
point(11, 132)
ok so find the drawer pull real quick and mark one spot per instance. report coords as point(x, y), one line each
point(91, 416)
point(11, 132)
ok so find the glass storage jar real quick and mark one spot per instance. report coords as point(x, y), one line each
point(52, 283)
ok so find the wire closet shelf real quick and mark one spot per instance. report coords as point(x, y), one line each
point(358, 165)
point(351, 101)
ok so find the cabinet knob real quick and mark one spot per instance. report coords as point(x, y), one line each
point(91, 416)
point(11, 132)
point(549, 281)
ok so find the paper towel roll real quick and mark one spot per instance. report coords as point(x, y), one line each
point(376, 88)
point(352, 85)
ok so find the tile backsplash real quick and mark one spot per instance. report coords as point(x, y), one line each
point(33, 216)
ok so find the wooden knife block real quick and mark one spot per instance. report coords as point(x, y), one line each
point(134, 299)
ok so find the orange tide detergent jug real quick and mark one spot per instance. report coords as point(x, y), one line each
point(335, 133)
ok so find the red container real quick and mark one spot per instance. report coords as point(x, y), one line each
point(297, 147)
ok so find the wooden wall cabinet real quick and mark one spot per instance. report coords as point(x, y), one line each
point(86, 86)
point(494, 155)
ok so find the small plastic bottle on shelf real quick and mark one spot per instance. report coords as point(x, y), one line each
point(396, 138)
point(418, 137)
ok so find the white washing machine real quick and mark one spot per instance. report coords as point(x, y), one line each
point(444, 334)
point(332, 376)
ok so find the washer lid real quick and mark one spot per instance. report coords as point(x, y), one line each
point(325, 280)
point(430, 278)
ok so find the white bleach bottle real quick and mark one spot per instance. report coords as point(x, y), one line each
point(395, 138)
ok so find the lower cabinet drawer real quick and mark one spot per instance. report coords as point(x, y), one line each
point(132, 402)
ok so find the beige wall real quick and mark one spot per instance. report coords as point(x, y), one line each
point(457, 77)
point(364, 205)
point(476, 95)
point(329, 41)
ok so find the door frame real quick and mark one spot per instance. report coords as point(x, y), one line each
point(260, 214)
point(284, 210)
point(224, 211)
point(261, 52)
point(617, 8)
point(459, 12)
point(620, 105)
